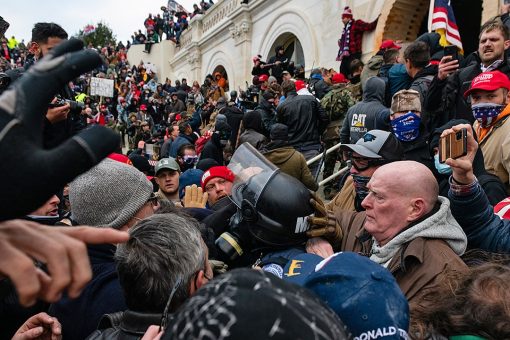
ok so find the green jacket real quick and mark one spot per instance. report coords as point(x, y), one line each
point(293, 163)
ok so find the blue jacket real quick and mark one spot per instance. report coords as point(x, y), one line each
point(178, 142)
point(398, 78)
point(484, 229)
point(103, 295)
point(276, 261)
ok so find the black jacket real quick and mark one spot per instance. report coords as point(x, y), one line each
point(79, 317)
point(258, 71)
point(277, 70)
point(418, 150)
point(305, 118)
point(234, 118)
point(252, 122)
point(321, 88)
point(213, 150)
point(421, 83)
point(124, 326)
point(56, 133)
point(268, 115)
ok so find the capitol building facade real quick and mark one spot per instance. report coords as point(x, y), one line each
point(230, 33)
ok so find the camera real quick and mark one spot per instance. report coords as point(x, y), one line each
point(73, 105)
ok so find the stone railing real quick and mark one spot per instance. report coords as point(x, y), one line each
point(218, 12)
point(186, 38)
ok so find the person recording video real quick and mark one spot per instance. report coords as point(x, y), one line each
point(63, 117)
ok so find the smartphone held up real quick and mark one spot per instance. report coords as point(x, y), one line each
point(453, 145)
point(451, 51)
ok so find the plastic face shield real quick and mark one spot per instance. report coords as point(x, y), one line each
point(252, 173)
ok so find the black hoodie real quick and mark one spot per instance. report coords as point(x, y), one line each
point(252, 122)
point(369, 114)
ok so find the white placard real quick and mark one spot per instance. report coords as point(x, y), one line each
point(101, 87)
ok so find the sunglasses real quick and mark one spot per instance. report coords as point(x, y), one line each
point(190, 159)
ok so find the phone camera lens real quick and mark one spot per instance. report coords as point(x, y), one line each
point(458, 135)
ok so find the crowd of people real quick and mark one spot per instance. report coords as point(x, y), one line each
point(171, 211)
point(172, 22)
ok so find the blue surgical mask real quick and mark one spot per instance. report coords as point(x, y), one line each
point(485, 113)
point(442, 168)
point(407, 127)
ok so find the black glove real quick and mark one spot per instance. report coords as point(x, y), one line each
point(31, 174)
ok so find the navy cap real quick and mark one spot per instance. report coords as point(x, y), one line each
point(364, 294)
point(189, 177)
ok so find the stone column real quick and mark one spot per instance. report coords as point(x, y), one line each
point(241, 31)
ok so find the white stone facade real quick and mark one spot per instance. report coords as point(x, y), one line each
point(231, 33)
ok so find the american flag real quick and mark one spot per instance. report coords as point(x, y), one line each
point(89, 29)
point(443, 22)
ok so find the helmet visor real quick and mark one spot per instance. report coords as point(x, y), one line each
point(252, 173)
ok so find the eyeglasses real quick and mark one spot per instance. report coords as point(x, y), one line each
point(164, 317)
point(362, 163)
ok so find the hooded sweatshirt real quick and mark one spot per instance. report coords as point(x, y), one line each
point(372, 68)
point(252, 122)
point(290, 161)
point(440, 225)
point(368, 114)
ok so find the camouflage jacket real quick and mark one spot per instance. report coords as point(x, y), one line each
point(337, 101)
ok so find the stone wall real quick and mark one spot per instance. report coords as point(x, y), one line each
point(231, 33)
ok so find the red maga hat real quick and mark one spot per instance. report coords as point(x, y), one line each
point(489, 81)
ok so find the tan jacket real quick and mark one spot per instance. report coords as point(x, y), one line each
point(344, 200)
point(418, 266)
point(496, 151)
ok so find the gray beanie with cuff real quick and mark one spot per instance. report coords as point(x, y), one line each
point(108, 195)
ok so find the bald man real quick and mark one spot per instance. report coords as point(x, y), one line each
point(406, 227)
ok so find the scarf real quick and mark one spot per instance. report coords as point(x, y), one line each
point(492, 66)
point(438, 225)
point(347, 37)
point(483, 132)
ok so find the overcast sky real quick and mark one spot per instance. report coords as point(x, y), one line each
point(123, 16)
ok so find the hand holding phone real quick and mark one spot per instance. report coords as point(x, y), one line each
point(451, 50)
point(453, 145)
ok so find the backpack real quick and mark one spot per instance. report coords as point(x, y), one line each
point(201, 141)
point(336, 103)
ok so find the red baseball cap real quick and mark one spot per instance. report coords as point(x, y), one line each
point(263, 78)
point(339, 78)
point(217, 171)
point(489, 81)
point(300, 85)
point(143, 107)
point(389, 44)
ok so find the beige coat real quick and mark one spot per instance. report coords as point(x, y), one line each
point(496, 151)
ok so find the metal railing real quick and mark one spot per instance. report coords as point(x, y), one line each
point(320, 157)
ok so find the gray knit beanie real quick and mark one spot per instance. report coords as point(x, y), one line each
point(108, 195)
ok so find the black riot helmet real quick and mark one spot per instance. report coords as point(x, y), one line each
point(272, 206)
